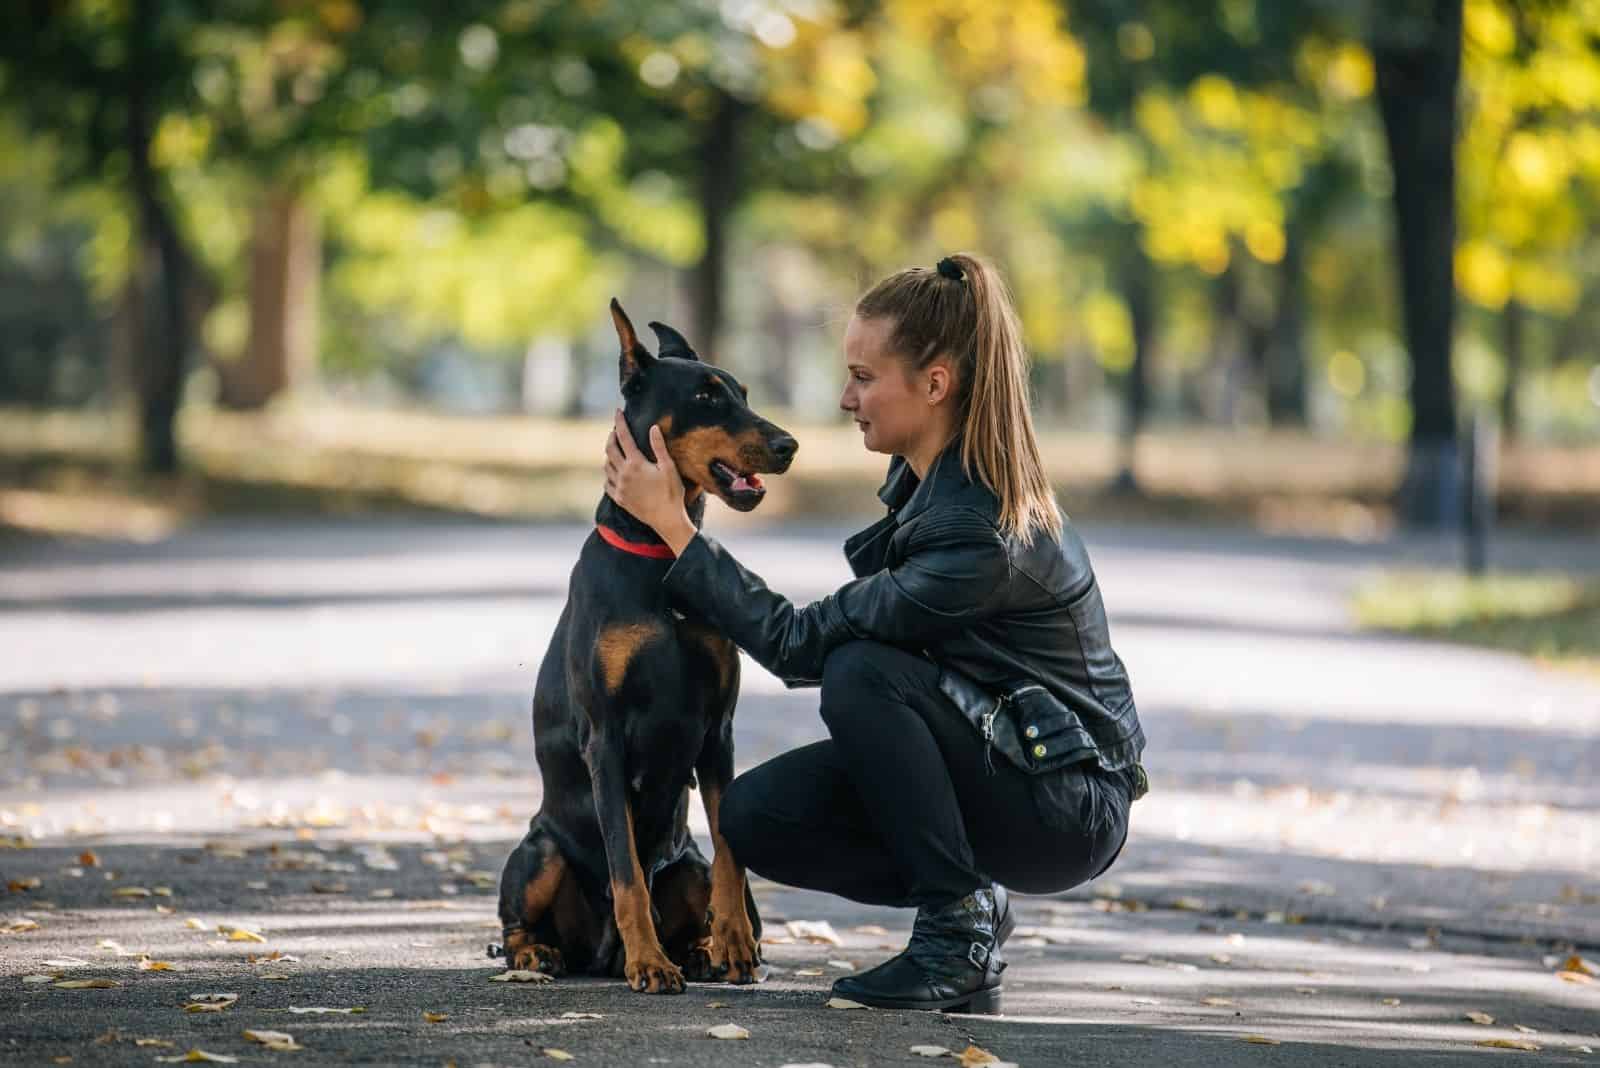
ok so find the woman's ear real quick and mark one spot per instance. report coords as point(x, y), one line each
point(937, 384)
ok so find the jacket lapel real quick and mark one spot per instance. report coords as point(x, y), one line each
point(906, 497)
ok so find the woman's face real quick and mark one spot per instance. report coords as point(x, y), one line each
point(889, 401)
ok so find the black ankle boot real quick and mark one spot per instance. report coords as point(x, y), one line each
point(952, 963)
point(1004, 922)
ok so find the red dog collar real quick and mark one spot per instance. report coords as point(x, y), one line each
point(637, 548)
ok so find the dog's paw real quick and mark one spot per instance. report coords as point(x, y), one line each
point(735, 953)
point(539, 958)
point(698, 966)
point(653, 973)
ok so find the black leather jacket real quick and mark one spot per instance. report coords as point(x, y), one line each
point(1014, 629)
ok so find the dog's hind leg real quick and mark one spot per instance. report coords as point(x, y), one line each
point(532, 878)
point(682, 897)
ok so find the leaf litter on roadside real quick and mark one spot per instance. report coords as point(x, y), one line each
point(277, 1041)
point(210, 1002)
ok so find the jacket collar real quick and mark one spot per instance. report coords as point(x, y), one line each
point(905, 493)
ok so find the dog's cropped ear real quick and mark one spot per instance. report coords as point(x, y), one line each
point(635, 358)
point(672, 343)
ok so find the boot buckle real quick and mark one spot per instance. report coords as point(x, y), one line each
point(978, 956)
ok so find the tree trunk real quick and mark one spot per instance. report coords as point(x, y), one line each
point(1285, 357)
point(161, 353)
point(1512, 321)
point(285, 274)
point(1137, 283)
point(719, 193)
point(1418, 62)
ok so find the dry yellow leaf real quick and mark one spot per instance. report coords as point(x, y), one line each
point(1479, 1018)
point(436, 1017)
point(931, 1051)
point(1574, 977)
point(557, 1054)
point(818, 931)
point(808, 972)
point(16, 886)
point(520, 975)
point(195, 923)
point(131, 891)
point(88, 859)
point(727, 1031)
point(277, 1041)
point(148, 965)
point(1509, 1043)
point(240, 934)
point(1391, 1001)
point(1261, 1040)
point(18, 926)
point(318, 1010)
point(86, 984)
point(973, 1056)
point(1575, 963)
point(159, 1043)
point(591, 1015)
point(196, 1056)
point(1218, 1002)
point(844, 1003)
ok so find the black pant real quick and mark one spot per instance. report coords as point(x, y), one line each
point(899, 808)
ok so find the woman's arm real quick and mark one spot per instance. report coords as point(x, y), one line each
point(955, 570)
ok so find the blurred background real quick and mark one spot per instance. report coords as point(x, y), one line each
point(1273, 260)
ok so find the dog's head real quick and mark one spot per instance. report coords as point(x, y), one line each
point(718, 443)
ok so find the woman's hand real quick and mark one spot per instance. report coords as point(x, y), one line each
point(651, 492)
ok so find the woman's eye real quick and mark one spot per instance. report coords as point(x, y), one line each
point(859, 377)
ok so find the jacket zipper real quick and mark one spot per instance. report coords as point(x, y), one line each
point(988, 733)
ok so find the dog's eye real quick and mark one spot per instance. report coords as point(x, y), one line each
point(706, 396)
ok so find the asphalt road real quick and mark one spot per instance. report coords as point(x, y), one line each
point(1352, 842)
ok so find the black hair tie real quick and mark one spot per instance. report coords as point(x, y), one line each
point(951, 269)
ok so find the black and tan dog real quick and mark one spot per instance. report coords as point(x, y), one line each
point(633, 703)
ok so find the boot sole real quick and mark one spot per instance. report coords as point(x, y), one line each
point(978, 1003)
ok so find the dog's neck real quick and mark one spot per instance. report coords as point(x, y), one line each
point(613, 515)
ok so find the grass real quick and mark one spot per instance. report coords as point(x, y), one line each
point(1555, 619)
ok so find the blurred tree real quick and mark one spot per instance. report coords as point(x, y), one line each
point(97, 80)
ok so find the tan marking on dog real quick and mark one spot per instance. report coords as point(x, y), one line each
point(694, 450)
point(732, 935)
point(644, 958)
point(618, 644)
point(722, 651)
point(540, 891)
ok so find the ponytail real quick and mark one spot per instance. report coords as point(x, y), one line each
point(962, 310)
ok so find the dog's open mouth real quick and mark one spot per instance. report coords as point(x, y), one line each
point(744, 488)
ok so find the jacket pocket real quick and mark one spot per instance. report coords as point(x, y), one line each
point(1052, 735)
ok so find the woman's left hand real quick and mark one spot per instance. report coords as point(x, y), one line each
point(651, 492)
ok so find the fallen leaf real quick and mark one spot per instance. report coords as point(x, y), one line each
point(159, 1043)
point(869, 929)
point(716, 1004)
point(1218, 1002)
point(520, 975)
point(1479, 1018)
point(88, 859)
point(240, 934)
point(436, 1017)
point(1525, 1029)
point(65, 962)
point(1189, 904)
point(148, 965)
point(86, 984)
point(162, 891)
point(975, 1055)
point(842, 965)
point(582, 1016)
point(557, 1054)
point(195, 923)
point(18, 926)
point(277, 1041)
point(819, 931)
point(1391, 1001)
point(35, 980)
point(1574, 977)
point(844, 1003)
point(131, 891)
point(318, 1010)
point(195, 1056)
point(1261, 1040)
point(209, 1002)
point(808, 972)
point(931, 1051)
point(1575, 963)
point(1509, 1043)
point(16, 886)
point(728, 1031)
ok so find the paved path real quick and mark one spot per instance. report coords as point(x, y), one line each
point(243, 712)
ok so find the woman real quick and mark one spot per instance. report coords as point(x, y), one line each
point(982, 731)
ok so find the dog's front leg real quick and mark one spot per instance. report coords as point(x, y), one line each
point(735, 948)
point(646, 966)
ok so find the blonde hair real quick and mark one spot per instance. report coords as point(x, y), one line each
point(963, 311)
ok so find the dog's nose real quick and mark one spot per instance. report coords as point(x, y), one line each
point(784, 447)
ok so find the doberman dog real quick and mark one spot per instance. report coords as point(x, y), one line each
point(633, 703)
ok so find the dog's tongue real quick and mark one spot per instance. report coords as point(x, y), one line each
point(750, 483)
